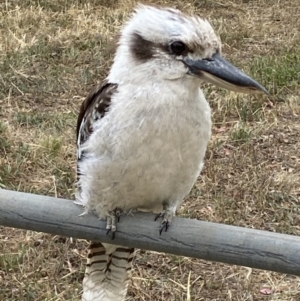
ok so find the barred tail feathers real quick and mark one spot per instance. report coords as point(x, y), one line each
point(107, 272)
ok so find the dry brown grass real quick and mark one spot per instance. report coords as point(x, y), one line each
point(53, 52)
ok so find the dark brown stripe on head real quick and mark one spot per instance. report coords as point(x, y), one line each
point(141, 48)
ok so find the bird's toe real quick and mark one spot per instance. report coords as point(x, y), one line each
point(167, 216)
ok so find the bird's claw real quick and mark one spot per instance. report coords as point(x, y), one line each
point(111, 222)
point(111, 225)
point(118, 214)
point(164, 225)
point(166, 222)
point(159, 215)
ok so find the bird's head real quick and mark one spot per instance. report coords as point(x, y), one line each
point(167, 43)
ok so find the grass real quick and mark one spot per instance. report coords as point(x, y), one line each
point(53, 52)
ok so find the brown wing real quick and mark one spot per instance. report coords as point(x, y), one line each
point(92, 109)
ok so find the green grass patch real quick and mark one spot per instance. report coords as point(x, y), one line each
point(279, 73)
point(241, 135)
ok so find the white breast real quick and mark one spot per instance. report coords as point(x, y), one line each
point(145, 150)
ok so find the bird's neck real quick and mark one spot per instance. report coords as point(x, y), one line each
point(123, 67)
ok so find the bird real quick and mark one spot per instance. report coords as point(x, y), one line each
point(142, 133)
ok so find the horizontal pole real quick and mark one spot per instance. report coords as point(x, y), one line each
point(186, 237)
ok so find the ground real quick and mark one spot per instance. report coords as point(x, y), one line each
point(53, 52)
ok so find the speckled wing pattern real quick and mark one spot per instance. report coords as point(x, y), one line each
point(92, 109)
point(108, 266)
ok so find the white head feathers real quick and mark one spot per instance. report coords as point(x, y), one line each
point(146, 38)
point(163, 25)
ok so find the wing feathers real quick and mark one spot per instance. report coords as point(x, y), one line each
point(92, 109)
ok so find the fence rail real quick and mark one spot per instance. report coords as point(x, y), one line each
point(186, 237)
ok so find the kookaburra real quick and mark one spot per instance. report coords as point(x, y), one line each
point(143, 133)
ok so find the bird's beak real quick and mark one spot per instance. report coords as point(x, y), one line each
point(220, 72)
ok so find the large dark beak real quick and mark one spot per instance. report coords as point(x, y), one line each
point(220, 72)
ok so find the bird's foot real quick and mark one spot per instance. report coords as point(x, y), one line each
point(167, 216)
point(111, 222)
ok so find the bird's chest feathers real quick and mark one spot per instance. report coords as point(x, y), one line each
point(165, 125)
point(170, 127)
point(147, 150)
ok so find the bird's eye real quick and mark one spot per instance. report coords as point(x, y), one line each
point(177, 47)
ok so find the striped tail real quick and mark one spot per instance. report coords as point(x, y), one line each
point(107, 272)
